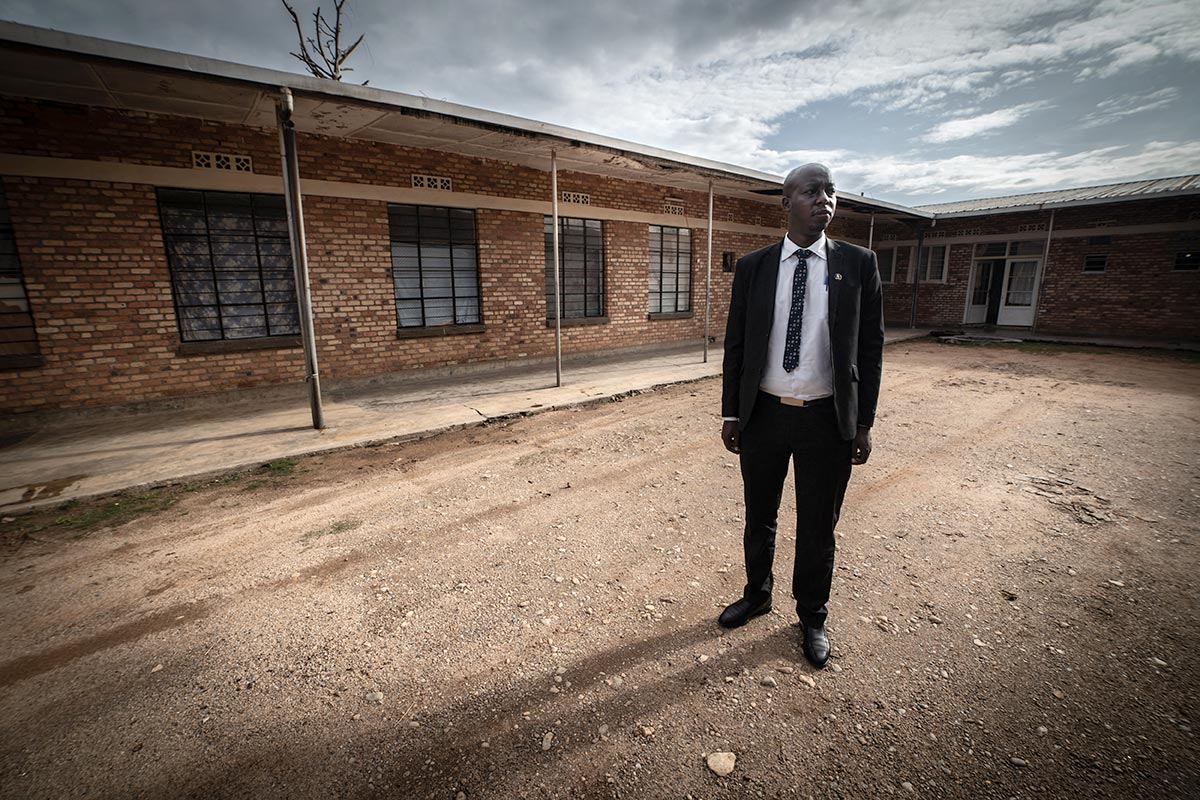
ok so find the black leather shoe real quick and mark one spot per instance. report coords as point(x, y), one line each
point(742, 611)
point(816, 645)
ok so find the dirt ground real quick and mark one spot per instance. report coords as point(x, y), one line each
point(527, 609)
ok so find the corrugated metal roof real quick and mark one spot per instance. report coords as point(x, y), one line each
point(1136, 190)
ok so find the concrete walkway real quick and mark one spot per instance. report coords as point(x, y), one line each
point(52, 458)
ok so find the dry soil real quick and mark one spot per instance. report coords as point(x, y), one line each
point(527, 609)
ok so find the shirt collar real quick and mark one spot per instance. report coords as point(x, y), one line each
point(790, 247)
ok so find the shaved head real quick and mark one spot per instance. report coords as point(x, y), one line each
point(810, 200)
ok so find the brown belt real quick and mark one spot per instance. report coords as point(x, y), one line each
point(792, 401)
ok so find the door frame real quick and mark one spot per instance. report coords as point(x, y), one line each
point(1031, 309)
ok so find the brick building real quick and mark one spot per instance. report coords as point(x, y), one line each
point(145, 249)
point(1115, 260)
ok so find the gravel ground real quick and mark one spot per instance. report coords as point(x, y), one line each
point(527, 609)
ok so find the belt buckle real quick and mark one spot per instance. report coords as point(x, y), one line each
point(792, 401)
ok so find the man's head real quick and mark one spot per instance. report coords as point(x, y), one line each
point(808, 197)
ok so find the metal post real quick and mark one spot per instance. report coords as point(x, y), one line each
point(1042, 273)
point(708, 270)
point(871, 233)
point(295, 214)
point(557, 261)
point(916, 267)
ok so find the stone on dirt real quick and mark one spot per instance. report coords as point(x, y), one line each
point(722, 763)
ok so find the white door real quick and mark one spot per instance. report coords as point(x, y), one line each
point(977, 297)
point(1020, 292)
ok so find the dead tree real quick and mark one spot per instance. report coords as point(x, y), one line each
point(323, 55)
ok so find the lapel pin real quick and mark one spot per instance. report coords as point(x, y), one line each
point(837, 276)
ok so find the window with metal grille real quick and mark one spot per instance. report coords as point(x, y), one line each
point(581, 245)
point(231, 264)
point(1095, 262)
point(18, 335)
point(728, 261)
point(435, 266)
point(670, 269)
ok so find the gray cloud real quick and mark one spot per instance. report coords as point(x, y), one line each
point(717, 78)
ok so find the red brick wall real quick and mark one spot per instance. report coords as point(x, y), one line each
point(98, 282)
point(99, 287)
point(96, 273)
point(1138, 294)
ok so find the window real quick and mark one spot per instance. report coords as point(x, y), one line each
point(670, 269)
point(231, 265)
point(1096, 262)
point(933, 263)
point(435, 266)
point(728, 261)
point(1187, 252)
point(581, 245)
point(887, 264)
point(991, 249)
point(18, 336)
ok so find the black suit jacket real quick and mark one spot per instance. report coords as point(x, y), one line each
point(855, 332)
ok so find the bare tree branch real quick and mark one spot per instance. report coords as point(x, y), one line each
point(322, 53)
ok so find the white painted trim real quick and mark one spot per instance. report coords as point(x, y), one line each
point(912, 260)
point(1071, 233)
point(220, 180)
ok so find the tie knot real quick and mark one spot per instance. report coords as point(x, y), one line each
point(803, 254)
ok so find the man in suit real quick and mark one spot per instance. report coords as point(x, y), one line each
point(803, 358)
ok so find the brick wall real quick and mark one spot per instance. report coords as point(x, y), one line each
point(99, 285)
point(99, 288)
point(1138, 293)
point(96, 273)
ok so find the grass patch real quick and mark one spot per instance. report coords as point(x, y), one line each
point(341, 526)
point(270, 472)
point(281, 467)
point(114, 512)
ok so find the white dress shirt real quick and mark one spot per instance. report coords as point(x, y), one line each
point(813, 377)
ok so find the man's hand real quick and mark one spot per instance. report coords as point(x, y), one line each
point(860, 451)
point(731, 437)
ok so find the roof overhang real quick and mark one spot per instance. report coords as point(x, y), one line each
point(68, 68)
point(1046, 206)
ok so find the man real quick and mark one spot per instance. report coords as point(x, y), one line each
point(803, 358)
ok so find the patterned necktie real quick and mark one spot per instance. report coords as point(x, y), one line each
point(791, 349)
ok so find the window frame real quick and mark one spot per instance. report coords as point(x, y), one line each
point(683, 267)
point(470, 322)
point(591, 235)
point(922, 269)
point(879, 251)
point(1187, 253)
point(12, 272)
point(1090, 263)
point(288, 331)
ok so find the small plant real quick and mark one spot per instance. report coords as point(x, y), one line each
point(281, 467)
point(341, 526)
point(120, 510)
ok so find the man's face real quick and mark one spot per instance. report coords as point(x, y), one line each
point(808, 197)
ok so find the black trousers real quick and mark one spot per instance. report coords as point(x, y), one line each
point(808, 437)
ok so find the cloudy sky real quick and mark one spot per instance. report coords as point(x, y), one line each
point(913, 102)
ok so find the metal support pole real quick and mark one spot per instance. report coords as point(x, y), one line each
point(557, 261)
point(912, 320)
point(871, 233)
point(295, 214)
point(1041, 281)
point(708, 270)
